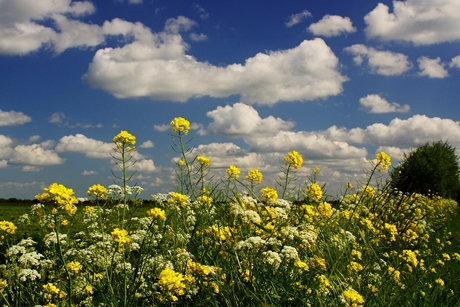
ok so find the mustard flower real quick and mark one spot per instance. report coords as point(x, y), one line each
point(74, 266)
point(172, 281)
point(51, 289)
point(179, 198)
point(233, 172)
point(392, 230)
point(8, 227)
point(180, 125)
point(59, 194)
point(157, 213)
point(254, 176)
point(314, 192)
point(3, 285)
point(121, 237)
point(97, 190)
point(293, 159)
point(353, 298)
point(89, 289)
point(204, 161)
point(301, 265)
point(410, 257)
point(125, 140)
point(318, 262)
point(440, 282)
point(204, 199)
point(269, 194)
point(383, 160)
point(325, 209)
point(367, 191)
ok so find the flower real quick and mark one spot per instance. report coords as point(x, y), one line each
point(179, 198)
point(172, 281)
point(125, 140)
point(121, 237)
point(59, 194)
point(325, 209)
point(157, 213)
point(314, 192)
point(269, 194)
point(180, 125)
point(8, 227)
point(383, 160)
point(204, 161)
point(74, 266)
point(353, 298)
point(254, 176)
point(233, 172)
point(97, 190)
point(51, 289)
point(293, 159)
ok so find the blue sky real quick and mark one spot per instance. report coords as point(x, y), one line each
point(335, 80)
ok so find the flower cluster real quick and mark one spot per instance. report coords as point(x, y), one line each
point(233, 172)
point(254, 176)
point(180, 125)
point(293, 159)
point(60, 195)
point(97, 190)
point(204, 161)
point(124, 140)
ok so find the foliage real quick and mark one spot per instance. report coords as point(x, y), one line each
point(430, 169)
point(231, 243)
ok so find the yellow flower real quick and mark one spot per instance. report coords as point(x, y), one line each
point(74, 266)
point(440, 282)
point(383, 160)
point(233, 172)
point(353, 297)
point(59, 194)
point(97, 190)
point(51, 289)
point(204, 161)
point(325, 209)
point(205, 199)
point(180, 125)
point(121, 237)
point(293, 159)
point(157, 213)
point(172, 281)
point(367, 191)
point(410, 257)
point(179, 198)
point(254, 176)
point(269, 194)
point(302, 266)
point(125, 140)
point(392, 230)
point(89, 289)
point(314, 192)
point(65, 223)
point(3, 285)
point(8, 227)
point(89, 209)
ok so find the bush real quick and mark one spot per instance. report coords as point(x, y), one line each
point(429, 170)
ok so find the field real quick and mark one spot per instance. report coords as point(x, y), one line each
point(231, 242)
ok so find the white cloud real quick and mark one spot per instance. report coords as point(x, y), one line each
point(202, 12)
point(198, 37)
point(13, 118)
point(381, 62)
point(455, 62)
point(332, 25)
point(34, 138)
point(402, 133)
point(3, 163)
point(181, 23)
point(5, 146)
point(147, 144)
point(162, 70)
point(243, 120)
point(162, 128)
point(57, 118)
point(21, 34)
point(81, 144)
point(420, 22)
point(31, 168)
point(396, 153)
point(89, 173)
point(432, 68)
point(297, 18)
point(375, 104)
point(34, 155)
point(144, 165)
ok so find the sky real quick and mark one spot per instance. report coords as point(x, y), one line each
point(338, 81)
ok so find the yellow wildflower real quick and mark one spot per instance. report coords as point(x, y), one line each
point(121, 237)
point(172, 281)
point(3, 285)
point(325, 209)
point(233, 172)
point(204, 161)
point(157, 213)
point(8, 227)
point(89, 289)
point(301, 265)
point(74, 266)
point(181, 125)
point(205, 199)
point(51, 289)
point(440, 282)
point(383, 160)
point(179, 198)
point(97, 190)
point(353, 298)
point(293, 159)
point(254, 176)
point(124, 140)
point(314, 192)
point(269, 194)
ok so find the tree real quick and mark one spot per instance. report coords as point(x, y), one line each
point(430, 169)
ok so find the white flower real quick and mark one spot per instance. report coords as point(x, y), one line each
point(289, 252)
point(25, 274)
point(32, 258)
point(272, 258)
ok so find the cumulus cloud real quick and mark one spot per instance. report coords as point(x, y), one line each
point(402, 133)
point(34, 155)
point(297, 18)
point(202, 12)
point(3, 163)
point(198, 37)
point(332, 25)
point(79, 143)
point(432, 68)
point(243, 120)
point(5, 146)
point(89, 173)
point(376, 104)
point(22, 33)
point(13, 118)
point(419, 22)
point(147, 144)
point(144, 165)
point(455, 62)
point(160, 69)
point(385, 63)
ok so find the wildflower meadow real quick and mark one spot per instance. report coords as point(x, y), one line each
point(231, 241)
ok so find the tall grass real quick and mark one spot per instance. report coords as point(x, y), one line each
point(231, 242)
